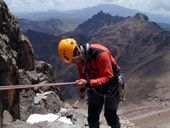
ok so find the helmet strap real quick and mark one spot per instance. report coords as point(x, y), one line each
point(85, 58)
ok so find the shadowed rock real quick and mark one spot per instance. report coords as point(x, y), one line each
point(17, 66)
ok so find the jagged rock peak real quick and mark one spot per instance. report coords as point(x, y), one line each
point(102, 15)
point(141, 16)
point(96, 22)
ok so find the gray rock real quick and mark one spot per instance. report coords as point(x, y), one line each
point(42, 103)
point(77, 116)
point(7, 117)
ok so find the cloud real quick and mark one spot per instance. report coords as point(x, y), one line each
point(43, 5)
point(33, 5)
point(143, 4)
point(160, 4)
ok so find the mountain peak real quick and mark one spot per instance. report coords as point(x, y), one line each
point(101, 15)
point(141, 16)
point(96, 22)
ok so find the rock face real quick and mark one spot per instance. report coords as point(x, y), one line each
point(140, 16)
point(17, 66)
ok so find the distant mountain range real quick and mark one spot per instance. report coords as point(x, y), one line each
point(51, 26)
point(57, 22)
point(165, 26)
point(84, 14)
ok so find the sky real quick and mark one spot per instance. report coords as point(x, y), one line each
point(153, 6)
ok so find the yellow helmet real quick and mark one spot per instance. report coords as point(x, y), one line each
point(66, 49)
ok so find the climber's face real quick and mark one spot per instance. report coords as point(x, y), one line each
point(76, 60)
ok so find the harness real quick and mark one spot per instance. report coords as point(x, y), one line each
point(85, 58)
point(108, 91)
point(115, 83)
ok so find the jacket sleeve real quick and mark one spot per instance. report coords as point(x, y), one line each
point(104, 64)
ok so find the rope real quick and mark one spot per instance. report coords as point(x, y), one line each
point(11, 87)
point(52, 123)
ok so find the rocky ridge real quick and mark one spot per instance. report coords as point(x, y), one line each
point(92, 25)
point(53, 26)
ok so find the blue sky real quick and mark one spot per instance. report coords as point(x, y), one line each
point(153, 6)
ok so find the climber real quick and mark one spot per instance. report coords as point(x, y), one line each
point(98, 73)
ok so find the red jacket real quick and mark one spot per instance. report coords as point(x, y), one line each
point(101, 66)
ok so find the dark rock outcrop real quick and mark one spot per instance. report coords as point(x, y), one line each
point(17, 66)
point(140, 16)
point(9, 29)
point(25, 58)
